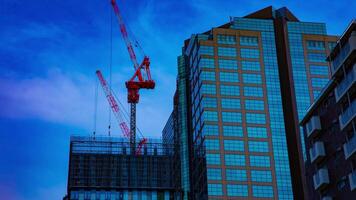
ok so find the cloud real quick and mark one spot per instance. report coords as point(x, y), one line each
point(57, 97)
point(68, 98)
point(9, 192)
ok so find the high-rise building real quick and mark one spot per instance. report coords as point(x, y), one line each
point(330, 127)
point(103, 168)
point(241, 89)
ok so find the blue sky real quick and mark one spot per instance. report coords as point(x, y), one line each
point(48, 56)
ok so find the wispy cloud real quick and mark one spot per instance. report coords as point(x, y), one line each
point(9, 192)
point(68, 98)
point(58, 97)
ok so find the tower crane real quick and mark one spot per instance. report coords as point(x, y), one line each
point(140, 79)
point(117, 112)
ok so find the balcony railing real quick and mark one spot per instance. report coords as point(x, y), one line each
point(346, 84)
point(350, 147)
point(313, 126)
point(346, 117)
point(352, 180)
point(321, 179)
point(317, 152)
point(344, 53)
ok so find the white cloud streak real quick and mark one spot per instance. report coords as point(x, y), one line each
point(68, 98)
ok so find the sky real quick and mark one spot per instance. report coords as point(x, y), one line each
point(50, 50)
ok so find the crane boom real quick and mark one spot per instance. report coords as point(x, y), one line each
point(123, 31)
point(113, 104)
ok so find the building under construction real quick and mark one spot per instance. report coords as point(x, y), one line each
point(105, 168)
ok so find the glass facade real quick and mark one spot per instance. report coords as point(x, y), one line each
point(122, 195)
point(235, 107)
point(309, 66)
point(274, 102)
point(182, 120)
point(220, 89)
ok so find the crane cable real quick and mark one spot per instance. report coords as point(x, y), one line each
point(110, 70)
point(135, 41)
point(95, 106)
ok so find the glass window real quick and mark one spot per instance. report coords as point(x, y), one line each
point(250, 53)
point(226, 51)
point(315, 45)
point(210, 116)
point(319, 70)
point(316, 93)
point(232, 131)
point(230, 103)
point(248, 41)
point(258, 146)
point(209, 102)
point(331, 45)
point(235, 160)
point(236, 175)
point(211, 129)
point(226, 39)
point(207, 76)
point(262, 191)
point(234, 145)
point(260, 161)
point(212, 144)
point(261, 176)
point(75, 195)
point(227, 64)
point(252, 78)
point(207, 63)
point(231, 90)
point(254, 104)
point(255, 118)
point(215, 189)
point(229, 77)
point(237, 190)
point(206, 50)
point(213, 159)
point(208, 89)
point(257, 132)
point(214, 174)
point(250, 65)
point(253, 91)
point(319, 82)
point(231, 117)
point(316, 57)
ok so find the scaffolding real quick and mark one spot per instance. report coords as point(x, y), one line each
point(106, 163)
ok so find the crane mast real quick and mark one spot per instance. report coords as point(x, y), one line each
point(140, 79)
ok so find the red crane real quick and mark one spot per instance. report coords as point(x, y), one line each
point(117, 112)
point(140, 79)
